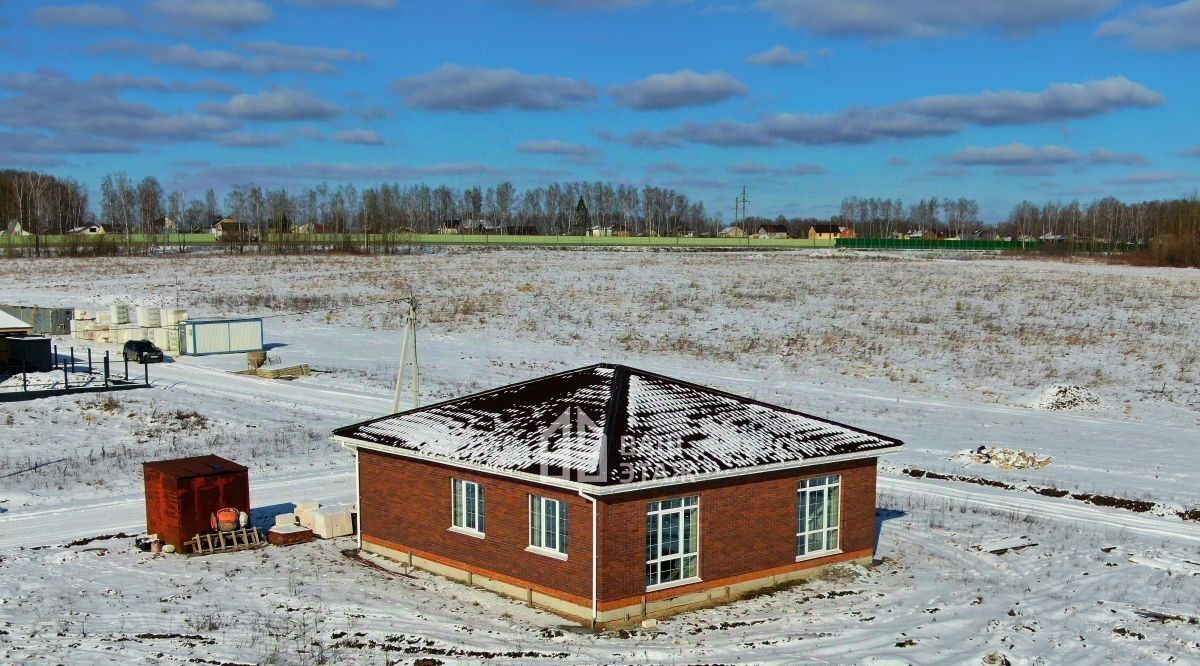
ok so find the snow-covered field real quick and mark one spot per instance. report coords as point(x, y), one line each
point(947, 354)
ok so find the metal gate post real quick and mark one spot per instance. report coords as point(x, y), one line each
point(106, 370)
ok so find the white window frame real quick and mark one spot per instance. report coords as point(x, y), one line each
point(656, 513)
point(466, 498)
point(824, 488)
point(544, 538)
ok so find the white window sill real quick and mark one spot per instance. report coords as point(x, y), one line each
point(818, 555)
point(674, 583)
point(467, 531)
point(546, 552)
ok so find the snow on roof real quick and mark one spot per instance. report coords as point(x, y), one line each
point(611, 424)
point(10, 323)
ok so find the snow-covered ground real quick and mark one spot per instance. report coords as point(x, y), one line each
point(948, 355)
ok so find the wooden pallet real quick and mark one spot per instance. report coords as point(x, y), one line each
point(246, 538)
point(290, 372)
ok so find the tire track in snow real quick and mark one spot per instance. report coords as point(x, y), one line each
point(1050, 508)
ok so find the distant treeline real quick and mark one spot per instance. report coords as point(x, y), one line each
point(45, 204)
point(48, 205)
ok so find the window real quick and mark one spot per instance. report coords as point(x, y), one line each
point(547, 524)
point(817, 525)
point(672, 542)
point(468, 505)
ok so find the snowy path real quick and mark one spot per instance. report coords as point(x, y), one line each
point(75, 520)
point(194, 379)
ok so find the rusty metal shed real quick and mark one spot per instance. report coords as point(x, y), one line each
point(183, 494)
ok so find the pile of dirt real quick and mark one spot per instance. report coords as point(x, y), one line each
point(1004, 458)
point(1067, 396)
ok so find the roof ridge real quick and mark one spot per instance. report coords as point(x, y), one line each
point(615, 420)
point(470, 396)
point(754, 401)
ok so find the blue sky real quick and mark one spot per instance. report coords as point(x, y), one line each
point(803, 102)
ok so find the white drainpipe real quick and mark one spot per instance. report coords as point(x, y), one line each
point(358, 495)
point(594, 559)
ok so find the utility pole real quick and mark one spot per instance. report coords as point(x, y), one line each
point(408, 356)
point(742, 201)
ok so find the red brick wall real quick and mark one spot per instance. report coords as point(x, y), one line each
point(406, 503)
point(747, 526)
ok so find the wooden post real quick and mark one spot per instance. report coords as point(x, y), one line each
point(24, 378)
point(126, 365)
point(89, 360)
point(72, 352)
point(106, 368)
point(146, 371)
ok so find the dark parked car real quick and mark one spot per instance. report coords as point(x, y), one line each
point(142, 351)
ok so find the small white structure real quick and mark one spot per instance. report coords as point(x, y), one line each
point(13, 230)
point(11, 324)
point(731, 232)
point(199, 337)
point(599, 230)
point(87, 230)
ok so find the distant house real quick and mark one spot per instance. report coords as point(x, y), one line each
point(312, 228)
point(829, 232)
point(168, 225)
point(621, 231)
point(731, 232)
point(14, 230)
point(450, 227)
point(599, 230)
point(87, 230)
point(228, 228)
point(608, 494)
point(772, 231)
point(479, 227)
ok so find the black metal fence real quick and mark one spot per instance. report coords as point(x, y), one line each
point(83, 374)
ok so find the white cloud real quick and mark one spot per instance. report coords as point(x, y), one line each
point(222, 14)
point(782, 56)
point(472, 89)
point(895, 19)
point(1012, 154)
point(755, 169)
point(88, 16)
point(557, 147)
point(363, 137)
point(275, 104)
point(939, 115)
point(677, 89)
point(1167, 28)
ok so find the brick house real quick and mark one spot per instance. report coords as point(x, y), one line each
point(829, 232)
point(607, 494)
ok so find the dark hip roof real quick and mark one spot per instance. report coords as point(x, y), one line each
point(610, 425)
